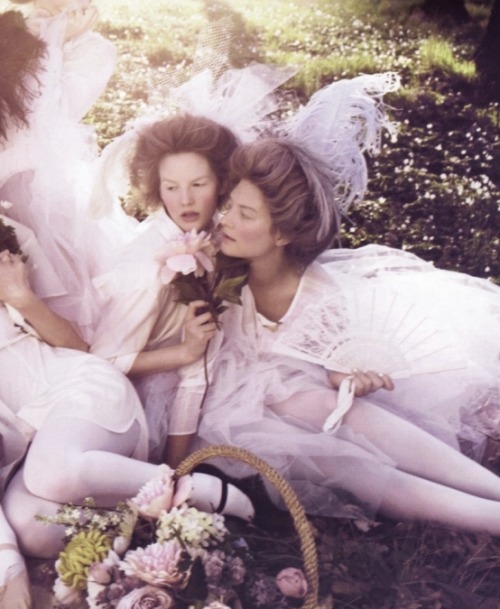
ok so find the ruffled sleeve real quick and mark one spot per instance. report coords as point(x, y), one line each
point(77, 71)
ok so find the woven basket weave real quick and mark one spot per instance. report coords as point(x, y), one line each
point(302, 526)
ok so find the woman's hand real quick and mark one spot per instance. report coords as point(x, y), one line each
point(14, 284)
point(15, 291)
point(198, 330)
point(364, 382)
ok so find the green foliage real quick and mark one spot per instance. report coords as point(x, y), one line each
point(8, 239)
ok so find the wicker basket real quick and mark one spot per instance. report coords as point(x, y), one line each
point(302, 526)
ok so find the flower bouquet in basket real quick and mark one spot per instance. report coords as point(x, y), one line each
point(152, 552)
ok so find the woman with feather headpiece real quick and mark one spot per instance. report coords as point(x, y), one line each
point(353, 372)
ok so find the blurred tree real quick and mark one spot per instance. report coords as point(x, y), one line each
point(487, 57)
point(446, 10)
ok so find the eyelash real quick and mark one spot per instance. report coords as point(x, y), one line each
point(196, 185)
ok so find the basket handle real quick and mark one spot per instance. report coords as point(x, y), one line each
point(302, 525)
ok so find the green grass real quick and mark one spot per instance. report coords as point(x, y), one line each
point(438, 55)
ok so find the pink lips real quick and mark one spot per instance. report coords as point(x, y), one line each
point(190, 216)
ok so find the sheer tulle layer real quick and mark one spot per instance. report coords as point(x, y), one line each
point(157, 392)
point(46, 169)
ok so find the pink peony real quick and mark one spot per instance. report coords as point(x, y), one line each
point(191, 252)
point(183, 490)
point(147, 597)
point(291, 582)
point(157, 564)
point(156, 495)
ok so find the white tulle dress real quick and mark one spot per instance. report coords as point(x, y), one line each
point(45, 169)
point(38, 379)
point(252, 375)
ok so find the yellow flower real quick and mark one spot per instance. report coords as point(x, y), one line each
point(85, 549)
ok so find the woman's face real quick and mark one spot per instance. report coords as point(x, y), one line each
point(189, 190)
point(247, 230)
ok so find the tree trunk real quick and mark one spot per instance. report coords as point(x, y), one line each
point(449, 10)
point(488, 56)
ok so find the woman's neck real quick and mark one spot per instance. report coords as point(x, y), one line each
point(273, 285)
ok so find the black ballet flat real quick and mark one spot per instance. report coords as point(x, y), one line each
point(268, 516)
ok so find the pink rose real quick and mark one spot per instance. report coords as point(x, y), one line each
point(156, 495)
point(147, 597)
point(191, 252)
point(99, 573)
point(291, 582)
point(182, 263)
point(237, 570)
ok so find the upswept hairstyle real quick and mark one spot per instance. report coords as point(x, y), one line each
point(299, 191)
point(179, 134)
point(21, 54)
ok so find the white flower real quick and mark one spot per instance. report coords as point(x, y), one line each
point(121, 544)
point(66, 595)
point(194, 528)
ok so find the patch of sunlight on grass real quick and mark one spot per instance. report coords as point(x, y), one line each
point(323, 70)
point(438, 54)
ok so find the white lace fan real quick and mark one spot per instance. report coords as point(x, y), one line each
point(369, 328)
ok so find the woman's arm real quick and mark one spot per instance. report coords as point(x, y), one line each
point(15, 290)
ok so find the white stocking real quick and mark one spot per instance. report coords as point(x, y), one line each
point(14, 584)
point(417, 452)
point(408, 497)
point(71, 459)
